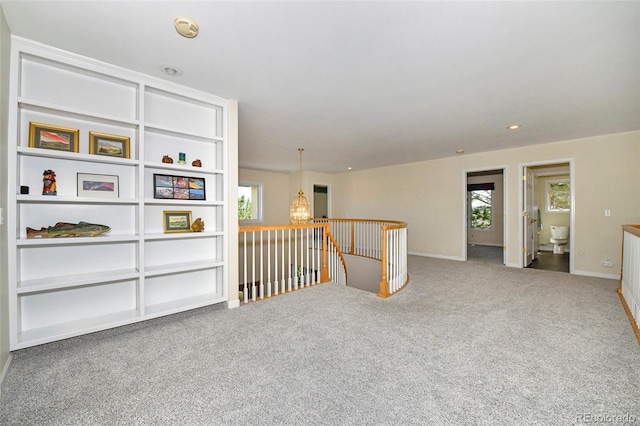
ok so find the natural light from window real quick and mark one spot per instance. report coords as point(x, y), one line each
point(250, 202)
point(480, 209)
point(558, 195)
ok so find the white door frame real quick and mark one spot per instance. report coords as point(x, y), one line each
point(313, 187)
point(505, 207)
point(572, 216)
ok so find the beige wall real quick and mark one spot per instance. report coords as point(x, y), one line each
point(4, 104)
point(429, 196)
point(279, 189)
point(275, 194)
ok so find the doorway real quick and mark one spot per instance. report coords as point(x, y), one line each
point(484, 225)
point(547, 200)
point(320, 200)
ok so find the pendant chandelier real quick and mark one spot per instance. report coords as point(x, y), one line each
point(300, 210)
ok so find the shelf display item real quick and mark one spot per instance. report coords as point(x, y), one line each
point(197, 225)
point(110, 145)
point(49, 186)
point(177, 221)
point(182, 158)
point(65, 229)
point(178, 187)
point(167, 159)
point(196, 163)
point(48, 136)
point(92, 185)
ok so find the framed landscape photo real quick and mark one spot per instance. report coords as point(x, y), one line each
point(49, 136)
point(178, 187)
point(92, 185)
point(177, 221)
point(109, 145)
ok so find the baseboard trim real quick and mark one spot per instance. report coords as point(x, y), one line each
point(437, 256)
point(5, 371)
point(597, 275)
point(232, 304)
point(634, 326)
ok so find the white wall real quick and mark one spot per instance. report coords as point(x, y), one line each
point(429, 196)
point(5, 48)
point(232, 191)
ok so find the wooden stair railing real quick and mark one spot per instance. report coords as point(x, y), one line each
point(277, 259)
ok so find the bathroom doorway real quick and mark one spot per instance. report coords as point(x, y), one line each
point(547, 205)
point(485, 219)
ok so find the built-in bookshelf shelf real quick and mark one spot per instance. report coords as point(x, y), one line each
point(62, 287)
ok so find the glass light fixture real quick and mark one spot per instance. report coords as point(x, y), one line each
point(300, 210)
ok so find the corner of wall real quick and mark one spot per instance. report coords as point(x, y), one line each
point(5, 51)
point(232, 191)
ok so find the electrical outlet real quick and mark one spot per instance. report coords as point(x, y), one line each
point(607, 263)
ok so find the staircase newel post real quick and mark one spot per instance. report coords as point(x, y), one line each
point(352, 249)
point(384, 283)
point(324, 272)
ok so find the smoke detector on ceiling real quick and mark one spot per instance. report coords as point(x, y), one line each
point(186, 27)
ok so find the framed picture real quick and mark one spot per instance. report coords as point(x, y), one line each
point(178, 187)
point(92, 185)
point(48, 136)
point(110, 145)
point(177, 221)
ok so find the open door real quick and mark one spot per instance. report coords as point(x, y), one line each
point(320, 201)
point(529, 217)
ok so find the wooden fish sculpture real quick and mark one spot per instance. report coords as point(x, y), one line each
point(65, 229)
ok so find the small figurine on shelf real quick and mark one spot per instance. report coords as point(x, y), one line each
point(182, 158)
point(197, 225)
point(196, 163)
point(167, 159)
point(49, 183)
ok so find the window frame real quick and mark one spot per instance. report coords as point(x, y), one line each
point(257, 207)
point(547, 194)
point(470, 210)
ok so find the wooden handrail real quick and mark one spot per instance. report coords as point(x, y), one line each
point(374, 238)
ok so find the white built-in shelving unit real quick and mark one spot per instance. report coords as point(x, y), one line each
point(64, 287)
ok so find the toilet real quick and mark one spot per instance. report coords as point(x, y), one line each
point(559, 238)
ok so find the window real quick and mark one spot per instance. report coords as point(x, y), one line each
point(250, 202)
point(479, 197)
point(558, 195)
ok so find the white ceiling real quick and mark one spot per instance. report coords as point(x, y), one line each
point(368, 84)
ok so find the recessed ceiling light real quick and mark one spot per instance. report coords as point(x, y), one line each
point(460, 151)
point(186, 27)
point(514, 126)
point(348, 168)
point(171, 70)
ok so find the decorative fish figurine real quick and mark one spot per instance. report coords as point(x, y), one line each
point(64, 229)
